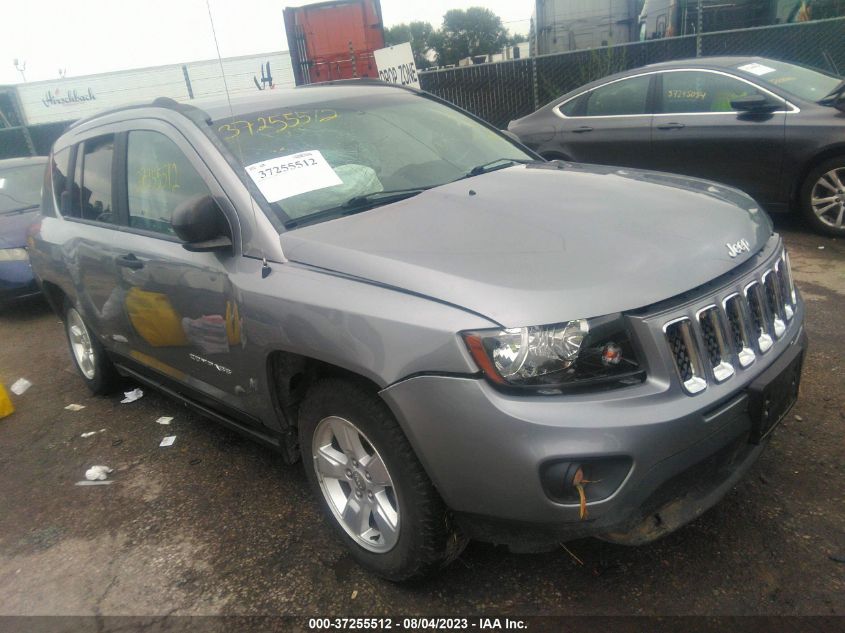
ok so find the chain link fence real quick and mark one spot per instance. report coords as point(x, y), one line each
point(502, 91)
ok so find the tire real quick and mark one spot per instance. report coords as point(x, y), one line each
point(403, 530)
point(826, 182)
point(88, 354)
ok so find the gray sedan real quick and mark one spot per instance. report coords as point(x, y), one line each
point(774, 130)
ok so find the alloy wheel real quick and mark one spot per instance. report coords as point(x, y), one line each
point(356, 484)
point(80, 344)
point(828, 198)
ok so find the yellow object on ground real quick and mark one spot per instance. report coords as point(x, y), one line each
point(6, 406)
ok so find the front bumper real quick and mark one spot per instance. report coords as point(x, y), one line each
point(485, 449)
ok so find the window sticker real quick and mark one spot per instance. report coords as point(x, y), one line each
point(287, 176)
point(757, 69)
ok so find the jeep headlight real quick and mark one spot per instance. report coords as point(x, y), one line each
point(548, 357)
point(13, 255)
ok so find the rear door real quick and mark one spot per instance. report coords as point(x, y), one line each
point(89, 202)
point(696, 132)
point(609, 125)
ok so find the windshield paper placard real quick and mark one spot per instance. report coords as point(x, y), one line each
point(287, 176)
point(757, 69)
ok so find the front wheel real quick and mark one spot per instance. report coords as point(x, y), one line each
point(823, 197)
point(88, 354)
point(370, 484)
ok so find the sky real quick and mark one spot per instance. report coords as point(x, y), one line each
point(83, 37)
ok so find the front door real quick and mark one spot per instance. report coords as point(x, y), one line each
point(183, 313)
point(696, 132)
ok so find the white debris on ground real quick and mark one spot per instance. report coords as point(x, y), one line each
point(74, 407)
point(132, 396)
point(165, 420)
point(168, 441)
point(90, 433)
point(98, 473)
point(20, 386)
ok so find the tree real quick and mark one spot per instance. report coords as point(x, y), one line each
point(419, 34)
point(474, 31)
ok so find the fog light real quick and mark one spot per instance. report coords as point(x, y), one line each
point(604, 474)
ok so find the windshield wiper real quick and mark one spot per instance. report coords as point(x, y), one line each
point(493, 165)
point(383, 197)
point(357, 204)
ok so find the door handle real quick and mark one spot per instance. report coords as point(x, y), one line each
point(671, 126)
point(130, 261)
point(582, 129)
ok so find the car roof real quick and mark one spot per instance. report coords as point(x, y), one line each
point(22, 161)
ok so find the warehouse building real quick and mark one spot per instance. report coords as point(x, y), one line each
point(34, 114)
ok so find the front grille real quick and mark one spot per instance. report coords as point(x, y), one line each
point(685, 353)
point(728, 336)
point(712, 323)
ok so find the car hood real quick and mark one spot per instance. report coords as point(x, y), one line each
point(14, 226)
point(545, 243)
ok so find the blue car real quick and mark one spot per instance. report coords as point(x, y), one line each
point(20, 198)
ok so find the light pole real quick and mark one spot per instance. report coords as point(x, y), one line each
point(20, 67)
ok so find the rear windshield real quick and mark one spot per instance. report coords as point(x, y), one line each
point(20, 187)
point(311, 159)
point(804, 83)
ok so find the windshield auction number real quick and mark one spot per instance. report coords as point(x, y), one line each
point(276, 123)
point(275, 170)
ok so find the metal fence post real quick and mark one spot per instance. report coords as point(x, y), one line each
point(698, 28)
point(535, 85)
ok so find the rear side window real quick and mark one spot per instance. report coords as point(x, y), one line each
point(629, 96)
point(159, 179)
point(690, 91)
point(570, 107)
point(91, 192)
point(58, 178)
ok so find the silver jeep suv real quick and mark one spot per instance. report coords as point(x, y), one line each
point(459, 339)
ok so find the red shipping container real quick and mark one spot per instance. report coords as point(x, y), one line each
point(334, 40)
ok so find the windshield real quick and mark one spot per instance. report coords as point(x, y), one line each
point(20, 187)
point(802, 82)
point(311, 159)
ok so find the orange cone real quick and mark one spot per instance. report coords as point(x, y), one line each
point(6, 406)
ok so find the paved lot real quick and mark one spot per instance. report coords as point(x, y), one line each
point(217, 525)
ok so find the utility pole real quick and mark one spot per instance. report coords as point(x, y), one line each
point(20, 67)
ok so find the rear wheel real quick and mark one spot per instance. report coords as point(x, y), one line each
point(88, 354)
point(823, 197)
point(370, 484)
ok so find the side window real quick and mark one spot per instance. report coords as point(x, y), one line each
point(91, 192)
point(569, 108)
point(690, 91)
point(55, 181)
point(159, 179)
point(628, 96)
point(59, 170)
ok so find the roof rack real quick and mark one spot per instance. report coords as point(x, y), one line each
point(192, 112)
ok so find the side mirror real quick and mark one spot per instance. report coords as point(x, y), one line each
point(200, 223)
point(755, 103)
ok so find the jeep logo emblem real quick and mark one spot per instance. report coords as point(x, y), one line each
point(742, 246)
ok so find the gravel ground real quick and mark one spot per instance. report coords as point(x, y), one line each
point(218, 525)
